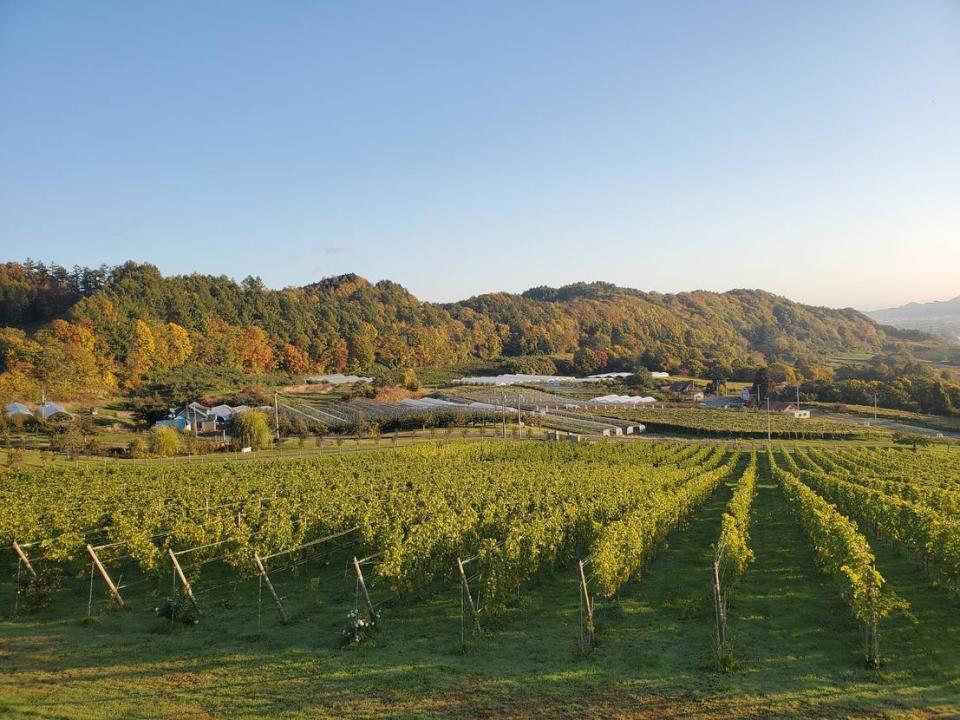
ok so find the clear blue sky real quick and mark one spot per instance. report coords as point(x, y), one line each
point(810, 148)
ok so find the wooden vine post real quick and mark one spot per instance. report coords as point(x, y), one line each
point(24, 559)
point(466, 591)
point(719, 610)
point(183, 578)
point(371, 613)
point(873, 638)
point(262, 568)
point(106, 577)
point(273, 593)
point(587, 605)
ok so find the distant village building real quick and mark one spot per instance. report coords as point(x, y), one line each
point(687, 390)
point(178, 423)
point(204, 420)
point(789, 408)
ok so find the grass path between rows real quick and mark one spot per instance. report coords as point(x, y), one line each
point(797, 643)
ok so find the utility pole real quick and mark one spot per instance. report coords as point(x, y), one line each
point(798, 396)
point(519, 418)
point(874, 406)
point(768, 420)
point(503, 408)
point(276, 414)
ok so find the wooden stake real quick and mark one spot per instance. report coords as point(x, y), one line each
point(183, 578)
point(587, 605)
point(106, 578)
point(718, 605)
point(371, 613)
point(873, 641)
point(26, 561)
point(466, 590)
point(273, 593)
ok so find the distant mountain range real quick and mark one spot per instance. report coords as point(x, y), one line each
point(942, 317)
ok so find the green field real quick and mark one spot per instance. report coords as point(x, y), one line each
point(936, 422)
point(739, 423)
point(798, 651)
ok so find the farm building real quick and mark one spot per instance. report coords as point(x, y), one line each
point(180, 423)
point(203, 419)
point(789, 408)
point(685, 389)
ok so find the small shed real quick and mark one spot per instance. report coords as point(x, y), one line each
point(207, 427)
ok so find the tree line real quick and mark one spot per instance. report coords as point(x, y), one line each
point(88, 332)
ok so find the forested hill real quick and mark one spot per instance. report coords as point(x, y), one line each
point(91, 330)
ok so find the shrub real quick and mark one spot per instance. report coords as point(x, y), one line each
point(179, 608)
point(411, 381)
point(165, 441)
point(41, 589)
point(137, 448)
point(252, 429)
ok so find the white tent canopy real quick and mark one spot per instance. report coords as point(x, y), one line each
point(623, 400)
point(49, 409)
point(16, 408)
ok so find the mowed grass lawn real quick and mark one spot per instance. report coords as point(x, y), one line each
point(799, 654)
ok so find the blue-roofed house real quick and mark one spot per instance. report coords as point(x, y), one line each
point(179, 422)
